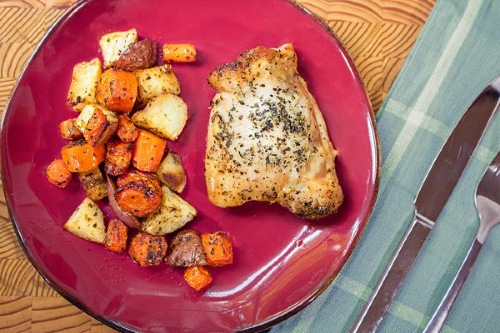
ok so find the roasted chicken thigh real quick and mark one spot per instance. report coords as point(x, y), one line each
point(267, 139)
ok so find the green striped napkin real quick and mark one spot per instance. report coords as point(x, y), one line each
point(455, 56)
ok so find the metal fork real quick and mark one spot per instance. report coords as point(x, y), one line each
point(487, 202)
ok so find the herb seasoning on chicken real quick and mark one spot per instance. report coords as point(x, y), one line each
point(267, 139)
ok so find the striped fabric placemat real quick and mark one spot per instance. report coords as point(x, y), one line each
point(455, 56)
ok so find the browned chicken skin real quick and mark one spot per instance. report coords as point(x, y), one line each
point(267, 139)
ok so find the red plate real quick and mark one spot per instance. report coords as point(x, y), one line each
point(281, 262)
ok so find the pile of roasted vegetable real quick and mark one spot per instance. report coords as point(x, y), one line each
point(128, 108)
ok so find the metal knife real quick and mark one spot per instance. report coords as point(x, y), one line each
point(431, 198)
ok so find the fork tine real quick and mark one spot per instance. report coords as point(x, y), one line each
point(489, 186)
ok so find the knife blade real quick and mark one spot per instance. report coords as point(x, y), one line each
point(434, 192)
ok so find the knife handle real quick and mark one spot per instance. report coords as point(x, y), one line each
point(393, 276)
point(437, 320)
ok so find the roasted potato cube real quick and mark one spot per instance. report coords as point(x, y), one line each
point(99, 129)
point(156, 81)
point(185, 249)
point(83, 87)
point(94, 184)
point(141, 54)
point(117, 90)
point(148, 250)
point(165, 115)
point(87, 112)
point(114, 44)
point(84, 117)
point(69, 129)
point(87, 222)
point(173, 214)
point(171, 172)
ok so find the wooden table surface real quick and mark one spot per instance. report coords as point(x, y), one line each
point(378, 34)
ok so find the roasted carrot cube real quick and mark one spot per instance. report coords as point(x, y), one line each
point(147, 250)
point(99, 129)
point(197, 277)
point(179, 52)
point(116, 236)
point(126, 130)
point(117, 90)
point(58, 174)
point(118, 156)
point(218, 248)
point(148, 151)
point(80, 156)
point(69, 129)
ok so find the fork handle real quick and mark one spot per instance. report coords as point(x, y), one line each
point(437, 320)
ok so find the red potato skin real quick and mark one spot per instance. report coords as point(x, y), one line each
point(140, 55)
point(185, 249)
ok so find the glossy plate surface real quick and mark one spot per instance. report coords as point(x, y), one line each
point(281, 262)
